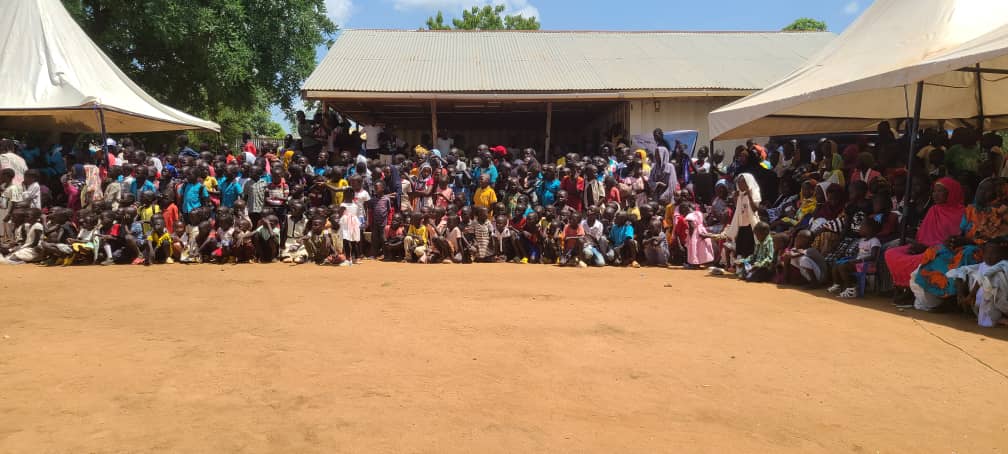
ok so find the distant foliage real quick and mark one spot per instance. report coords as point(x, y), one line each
point(485, 18)
point(805, 24)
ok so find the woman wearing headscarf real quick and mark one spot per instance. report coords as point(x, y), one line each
point(662, 179)
point(91, 191)
point(983, 221)
point(423, 187)
point(832, 163)
point(72, 185)
point(940, 223)
point(740, 230)
point(827, 224)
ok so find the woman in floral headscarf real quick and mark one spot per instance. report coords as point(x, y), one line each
point(982, 221)
point(91, 191)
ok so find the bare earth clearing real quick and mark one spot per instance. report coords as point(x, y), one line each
point(482, 358)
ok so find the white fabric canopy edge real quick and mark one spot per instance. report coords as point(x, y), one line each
point(766, 112)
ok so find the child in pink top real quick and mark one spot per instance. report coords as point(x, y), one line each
point(699, 250)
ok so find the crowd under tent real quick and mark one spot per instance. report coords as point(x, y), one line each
point(565, 91)
point(55, 79)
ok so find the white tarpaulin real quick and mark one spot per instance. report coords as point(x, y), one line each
point(869, 73)
point(53, 77)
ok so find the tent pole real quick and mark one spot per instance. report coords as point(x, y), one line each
point(980, 105)
point(104, 138)
point(912, 130)
point(549, 129)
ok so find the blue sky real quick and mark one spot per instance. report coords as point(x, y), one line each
point(605, 15)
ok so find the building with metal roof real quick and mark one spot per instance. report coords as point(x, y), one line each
point(548, 89)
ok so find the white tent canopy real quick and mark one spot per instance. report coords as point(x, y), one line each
point(55, 78)
point(869, 73)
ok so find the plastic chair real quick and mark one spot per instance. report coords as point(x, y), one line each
point(866, 280)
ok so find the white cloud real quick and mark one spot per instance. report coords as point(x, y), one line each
point(523, 8)
point(339, 11)
point(852, 8)
point(453, 7)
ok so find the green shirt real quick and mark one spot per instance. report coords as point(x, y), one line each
point(764, 254)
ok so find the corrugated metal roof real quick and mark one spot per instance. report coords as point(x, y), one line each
point(396, 61)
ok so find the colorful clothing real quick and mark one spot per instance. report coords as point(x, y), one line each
point(485, 197)
point(978, 226)
point(940, 223)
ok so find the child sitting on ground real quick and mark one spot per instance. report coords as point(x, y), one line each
point(393, 249)
point(801, 263)
point(318, 244)
point(573, 242)
point(655, 244)
point(759, 266)
point(87, 243)
point(267, 238)
point(55, 247)
point(297, 224)
point(28, 235)
point(159, 244)
point(869, 246)
point(983, 288)
point(480, 230)
point(415, 242)
point(623, 251)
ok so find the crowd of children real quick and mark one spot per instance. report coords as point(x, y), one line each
point(808, 215)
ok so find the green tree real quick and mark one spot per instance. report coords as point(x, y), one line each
point(226, 60)
point(437, 22)
point(805, 24)
point(484, 18)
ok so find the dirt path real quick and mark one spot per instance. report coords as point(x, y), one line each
point(404, 358)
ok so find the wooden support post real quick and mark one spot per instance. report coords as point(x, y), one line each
point(549, 128)
point(980, 100)
point(434, 128)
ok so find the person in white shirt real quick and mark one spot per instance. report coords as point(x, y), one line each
point(372, 141)
point(10, 160)
point(444, 143)
point(10, 194)
point(32, 191)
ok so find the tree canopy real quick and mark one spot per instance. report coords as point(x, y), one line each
point(484, 18)
point(227, 60)
point(805, 24)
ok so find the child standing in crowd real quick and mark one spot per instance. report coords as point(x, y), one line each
point(349, 228)
point(699, 250)
point(10, 194)
point(485, 196)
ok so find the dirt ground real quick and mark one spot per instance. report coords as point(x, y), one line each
point(482, 358)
